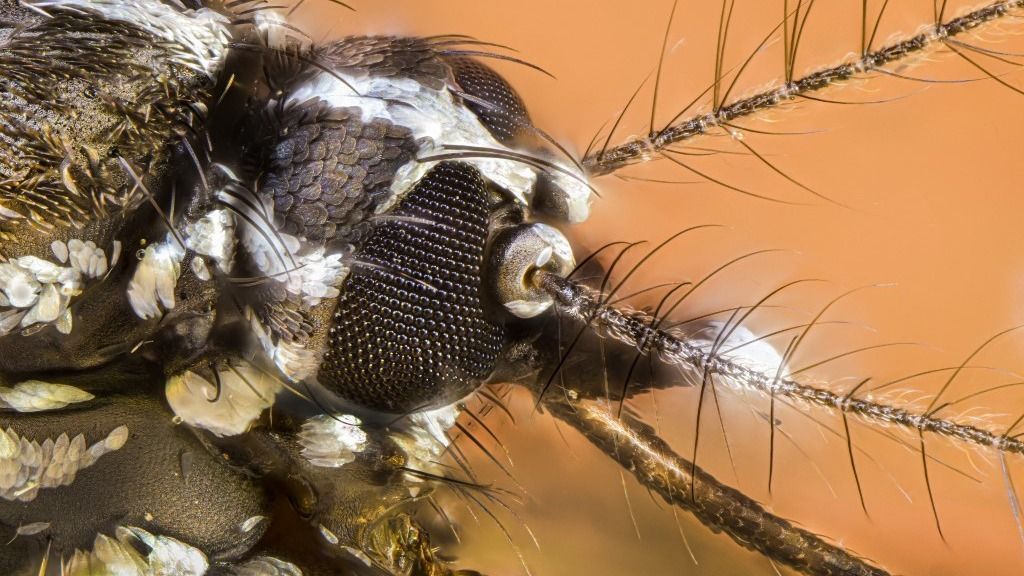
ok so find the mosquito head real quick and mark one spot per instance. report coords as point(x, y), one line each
point(388, 243)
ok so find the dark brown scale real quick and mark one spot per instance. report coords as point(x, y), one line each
point(329, 170)
point(388, 56)
point(398, 344)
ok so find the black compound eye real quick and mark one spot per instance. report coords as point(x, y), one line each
point(493, 100)
point(410, 329)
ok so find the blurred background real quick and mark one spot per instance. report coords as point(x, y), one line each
point(925, 179)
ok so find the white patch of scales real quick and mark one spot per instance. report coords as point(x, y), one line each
point(577, 194)
point(265, 566)
point(31, 529)
point(9, 214)
point(213, 235)
point(273, 27)
point(38, 291)
point(312, 275)
point(435, 120)
point(293, 359)
point(318, 277)
point(332, 441)
point(424, 436)
point(203, 34)
point(151, 289)
point(245, 392)
point(37, 396)
point(120, 556)
point(27, 466)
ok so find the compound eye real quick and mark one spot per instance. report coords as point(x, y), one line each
point(410, 329)
point(517, 254)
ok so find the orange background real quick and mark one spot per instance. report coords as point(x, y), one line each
point(931, 182)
